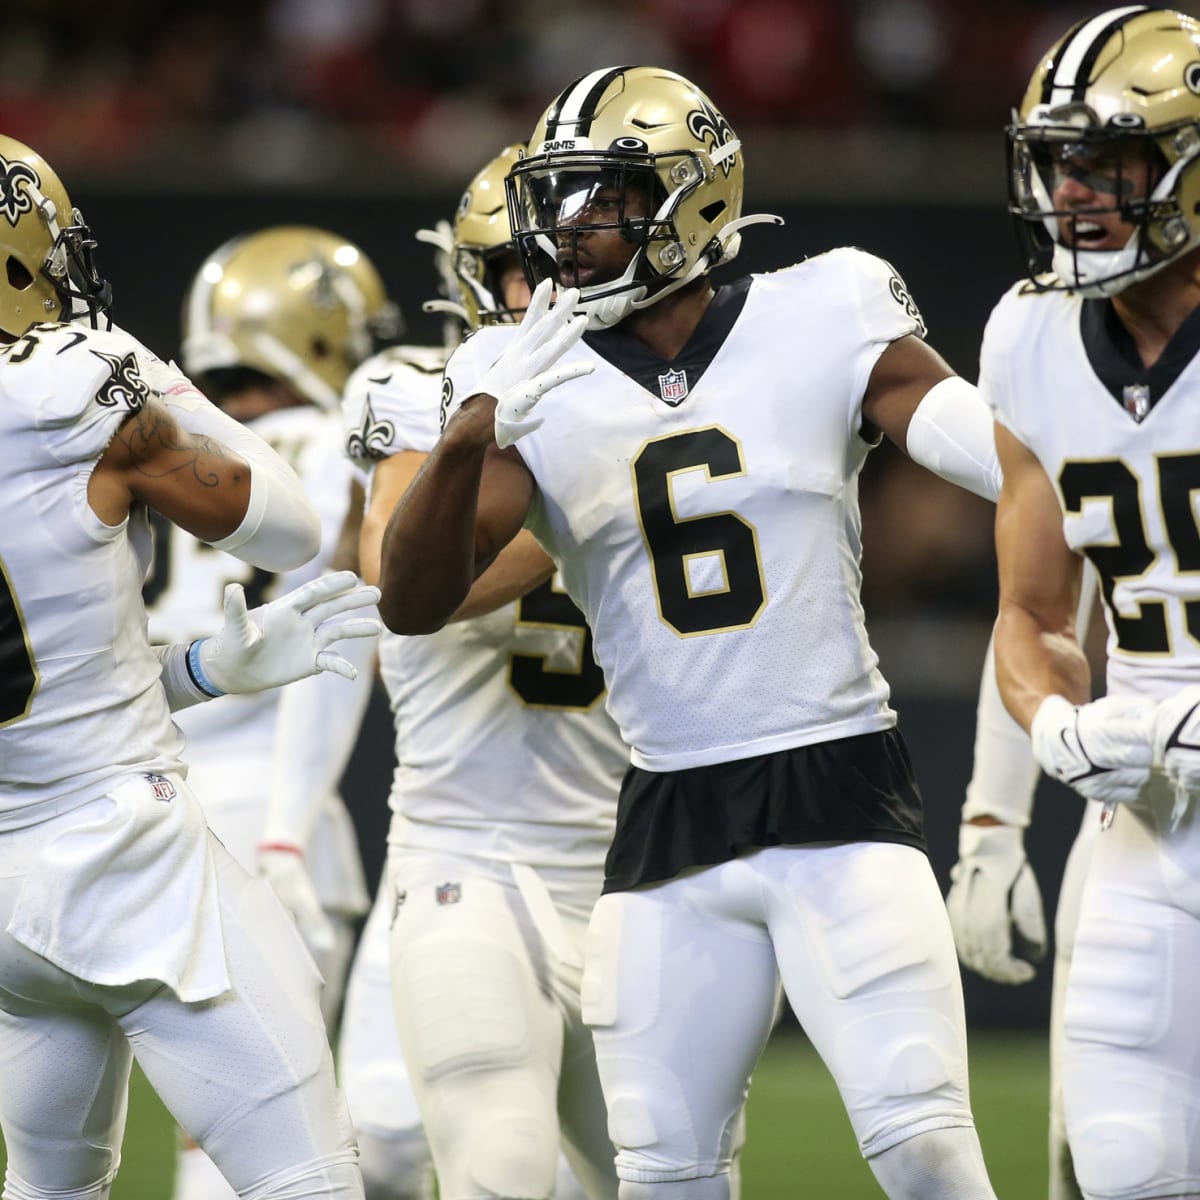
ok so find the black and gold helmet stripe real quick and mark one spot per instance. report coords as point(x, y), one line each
point(576, 104)
point(1071, 68)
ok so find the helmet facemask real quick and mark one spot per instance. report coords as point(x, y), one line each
point(71, 270)
point(555, 206)
point(1122, 163)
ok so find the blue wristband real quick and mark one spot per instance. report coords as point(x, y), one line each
point(196, 671)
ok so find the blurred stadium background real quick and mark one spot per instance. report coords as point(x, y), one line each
point(876, 123)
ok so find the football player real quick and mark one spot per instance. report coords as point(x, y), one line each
point(128, 930)
point(1090, 366)
point(503, 806)
point(694, 474)
point(274, 323)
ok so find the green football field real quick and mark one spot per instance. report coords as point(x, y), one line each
point(799, 1141)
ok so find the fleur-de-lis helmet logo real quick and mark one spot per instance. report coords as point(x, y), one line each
point(16, 178)
point(710, 127)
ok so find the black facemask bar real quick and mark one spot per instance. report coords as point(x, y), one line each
point(80, 283)
point(1121, 166)
point(553, 207)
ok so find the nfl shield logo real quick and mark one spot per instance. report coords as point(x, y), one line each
point(161, 788)
point(673, 387)
point(448, 893)
point(1136, 400)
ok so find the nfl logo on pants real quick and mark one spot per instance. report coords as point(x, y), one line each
point(448, 893)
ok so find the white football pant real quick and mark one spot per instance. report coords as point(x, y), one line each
point(1131, 1051)
point(680, 991)
point(249, 1074)
point(485, 975)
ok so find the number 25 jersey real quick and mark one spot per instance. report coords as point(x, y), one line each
point(704, 511)
point(1121, 445)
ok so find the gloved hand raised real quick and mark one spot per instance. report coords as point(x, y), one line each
point(287, 639)
point(526, 370)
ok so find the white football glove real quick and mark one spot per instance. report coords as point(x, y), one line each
point(1177, 745)
point(522, 374)
point(1103, 749)
point(282, 866)
point(994, 904)
point(289, 638)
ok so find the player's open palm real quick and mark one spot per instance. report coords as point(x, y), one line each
point(528, 367)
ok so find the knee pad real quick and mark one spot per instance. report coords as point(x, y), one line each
point(1120, 1156)
point(395, 1166)
point(511, 1157)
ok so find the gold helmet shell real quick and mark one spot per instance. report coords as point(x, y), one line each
point(48, 273)
point(1121, 88)
point(483, 239)
point(643, 124)
point(298, 304)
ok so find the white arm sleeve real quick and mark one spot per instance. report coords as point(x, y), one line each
point(1004, 772)
point(281, 530)
point(951, 433)
point(316, 728)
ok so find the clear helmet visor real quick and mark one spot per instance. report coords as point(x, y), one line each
point(556, 210)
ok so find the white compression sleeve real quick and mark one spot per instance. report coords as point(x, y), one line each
point(951, 434)
point(280, 530)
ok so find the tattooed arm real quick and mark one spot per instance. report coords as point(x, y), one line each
point(211, 476)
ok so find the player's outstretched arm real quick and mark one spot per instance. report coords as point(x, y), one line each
point(936, 418)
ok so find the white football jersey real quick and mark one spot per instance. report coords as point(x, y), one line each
point(1121, 444)
point(503, 746)
point(184, 590)
point(80, 693)
point(705, 515)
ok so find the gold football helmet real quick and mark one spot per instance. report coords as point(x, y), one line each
point(628, 128)
point(1115, 106)
point(300, 305)
point(473, 251)
point(47, 249)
